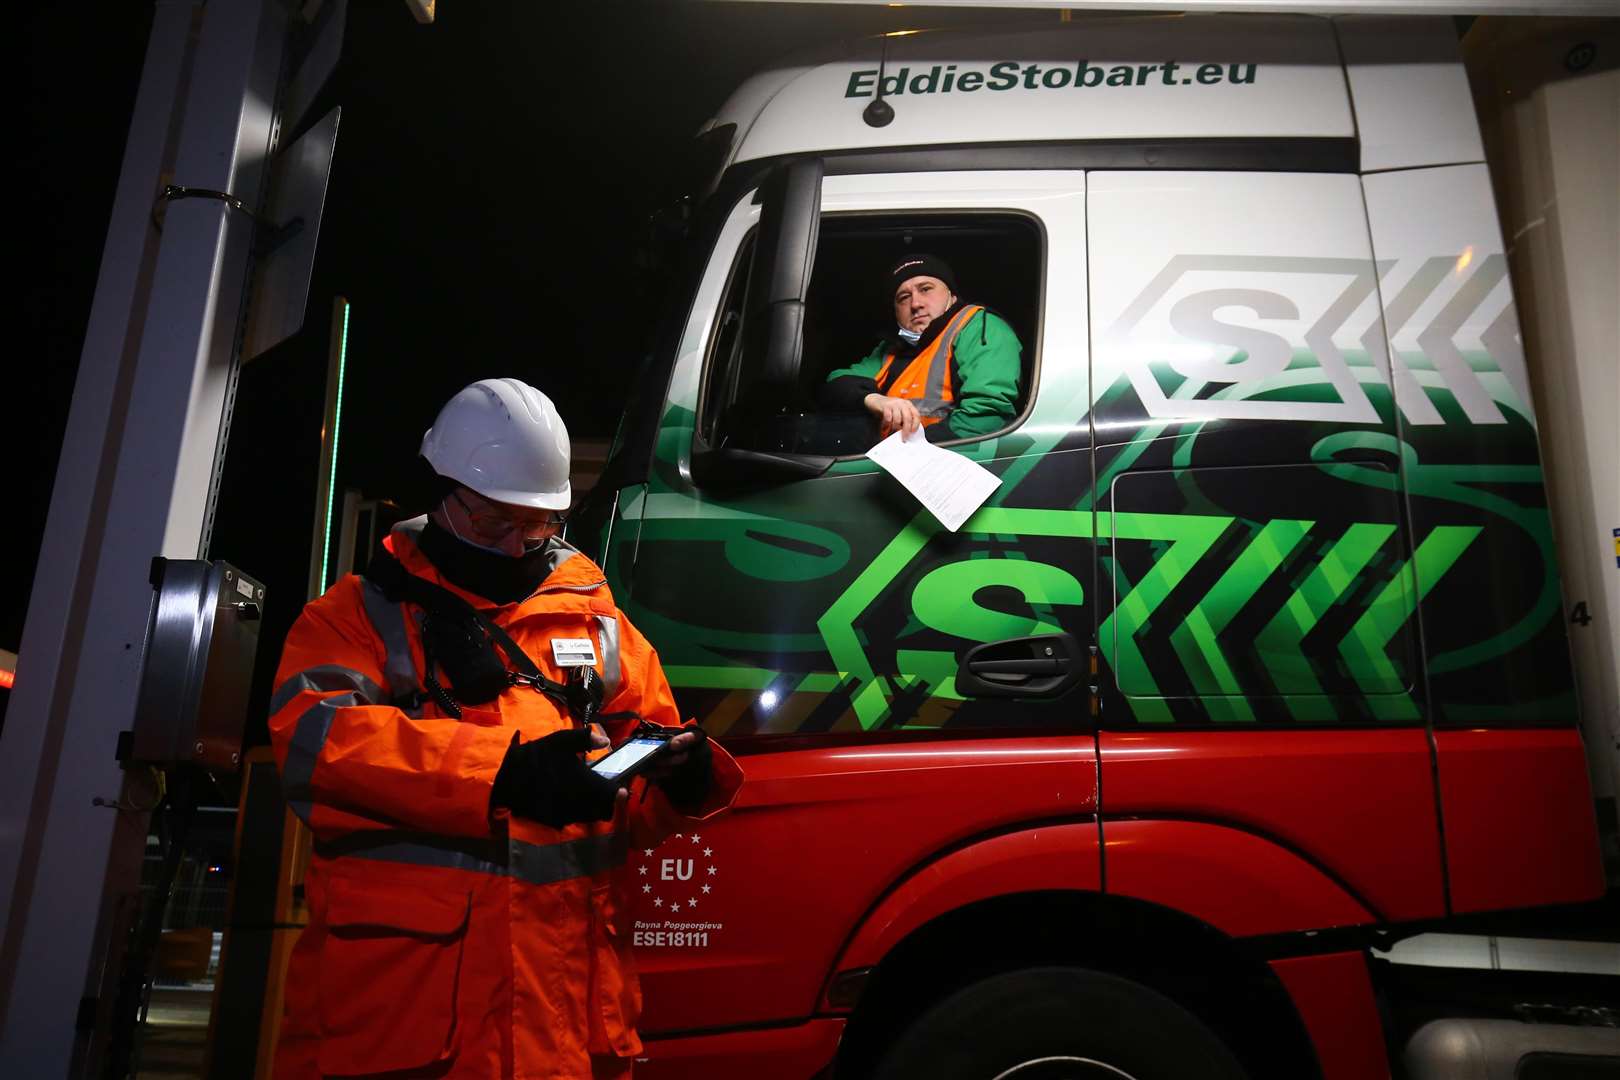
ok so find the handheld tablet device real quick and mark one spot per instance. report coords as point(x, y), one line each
point(631, 756)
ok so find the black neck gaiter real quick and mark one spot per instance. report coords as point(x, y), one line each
point(505, 579)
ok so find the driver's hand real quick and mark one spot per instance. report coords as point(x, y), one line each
point(895, 414)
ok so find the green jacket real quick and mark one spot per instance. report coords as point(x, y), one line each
point(986, 367)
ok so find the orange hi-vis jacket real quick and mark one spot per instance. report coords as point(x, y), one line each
point(445, 940)
point(926, 381)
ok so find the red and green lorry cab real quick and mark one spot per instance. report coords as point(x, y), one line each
point(1254, 663)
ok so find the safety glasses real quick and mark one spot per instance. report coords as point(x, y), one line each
point(495, 525)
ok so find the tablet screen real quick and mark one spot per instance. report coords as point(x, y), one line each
point(616, 763)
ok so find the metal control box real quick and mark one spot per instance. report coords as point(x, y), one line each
point(200, 650)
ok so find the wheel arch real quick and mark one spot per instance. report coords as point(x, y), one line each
point(1187, 960)
point(1239, 880)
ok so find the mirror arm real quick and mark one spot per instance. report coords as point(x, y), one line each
point(730, 467)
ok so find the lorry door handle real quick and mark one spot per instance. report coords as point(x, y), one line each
point(1010, 669)
point(1039, 666)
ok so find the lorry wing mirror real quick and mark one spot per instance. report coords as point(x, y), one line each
point(779, 281)
point(773, 335)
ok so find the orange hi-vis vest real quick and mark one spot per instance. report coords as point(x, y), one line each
point(926, 383)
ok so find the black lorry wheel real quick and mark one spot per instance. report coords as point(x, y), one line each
point(1058, 1024)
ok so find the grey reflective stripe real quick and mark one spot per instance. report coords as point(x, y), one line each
point(388, 619)
point(309, 733)
point(558, 551)
point(612, 673)
point(933, 403)
point(309, 737)
point(934, 391)
point(536, 864)
point(421, 850)
point(325, 679)
point(542, 864)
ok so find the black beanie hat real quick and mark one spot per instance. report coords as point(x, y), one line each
point(910, 266)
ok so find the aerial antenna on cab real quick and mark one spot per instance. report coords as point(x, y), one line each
point(879, 113)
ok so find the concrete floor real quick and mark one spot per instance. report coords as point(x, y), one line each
point(175, 1037)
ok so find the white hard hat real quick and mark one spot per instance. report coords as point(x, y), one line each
point(504, 439)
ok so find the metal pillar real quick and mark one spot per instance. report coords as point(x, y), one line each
point(135, 480)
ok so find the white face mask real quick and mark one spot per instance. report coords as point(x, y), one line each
point(912, 336)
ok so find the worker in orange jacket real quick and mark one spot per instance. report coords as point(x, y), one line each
point(433, 722)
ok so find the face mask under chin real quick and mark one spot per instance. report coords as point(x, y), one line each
point(911, 336)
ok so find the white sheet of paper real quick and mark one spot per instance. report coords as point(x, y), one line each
point(948, 484)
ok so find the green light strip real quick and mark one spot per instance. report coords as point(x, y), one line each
point(718, 677)
point(337, 423)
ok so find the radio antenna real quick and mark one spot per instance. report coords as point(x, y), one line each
point(879, 113)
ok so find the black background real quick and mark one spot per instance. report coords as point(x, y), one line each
point(493, 181)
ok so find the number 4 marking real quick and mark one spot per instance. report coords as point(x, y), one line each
point(1579, 616)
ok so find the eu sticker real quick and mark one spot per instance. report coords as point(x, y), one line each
point(573, 652)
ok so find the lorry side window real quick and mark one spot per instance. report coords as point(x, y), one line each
point(723, 368)
point(997, 257)
point(793, 597)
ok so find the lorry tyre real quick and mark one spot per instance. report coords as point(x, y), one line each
point(1058, 1024)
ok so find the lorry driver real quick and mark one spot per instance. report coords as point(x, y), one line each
point(950, 367)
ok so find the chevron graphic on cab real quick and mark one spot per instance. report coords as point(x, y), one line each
point(1361, 580)
point(1277, 324)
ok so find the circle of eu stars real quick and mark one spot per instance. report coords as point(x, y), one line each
point(678, 897)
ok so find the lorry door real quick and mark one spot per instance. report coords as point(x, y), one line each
point(1514, 792)
point(816, 624)
point(1258, 572)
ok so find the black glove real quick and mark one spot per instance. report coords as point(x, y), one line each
point(546, 781)
point(688, 783)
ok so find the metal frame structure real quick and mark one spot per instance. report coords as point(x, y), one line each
point(136, 479)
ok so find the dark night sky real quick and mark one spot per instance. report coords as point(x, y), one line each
point(493, 178)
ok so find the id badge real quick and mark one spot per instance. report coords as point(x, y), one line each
point(573, 652)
